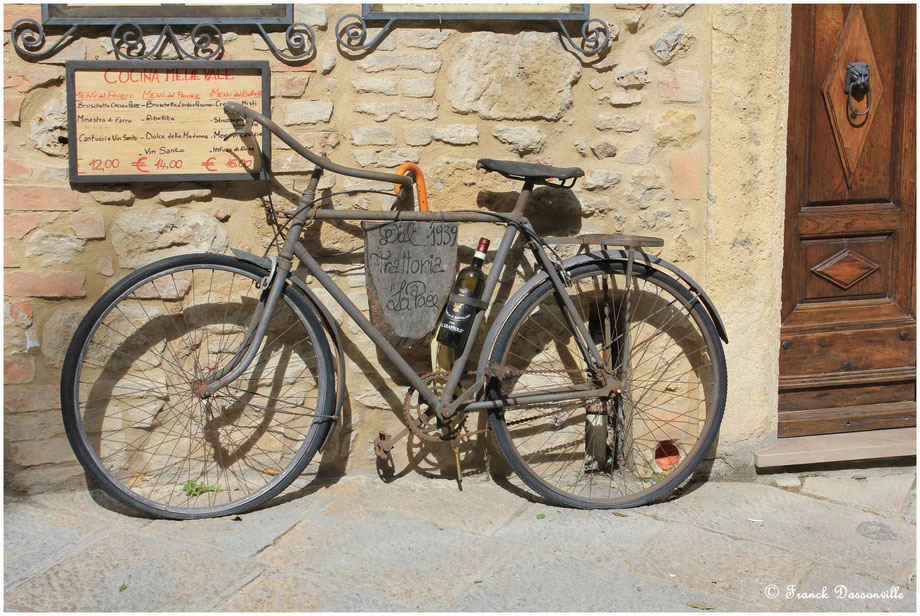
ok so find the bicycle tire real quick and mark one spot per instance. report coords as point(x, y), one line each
point(499, 428)
point(70, 397)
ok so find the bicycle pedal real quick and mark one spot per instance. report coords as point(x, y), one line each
point(383, 446)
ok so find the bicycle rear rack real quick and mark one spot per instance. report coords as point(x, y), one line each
point(604, 240)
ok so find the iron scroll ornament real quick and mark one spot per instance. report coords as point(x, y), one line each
point(856, 85)
point(352, 34)
point(127, 39)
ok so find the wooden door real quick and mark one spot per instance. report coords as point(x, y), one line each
point(847, 357)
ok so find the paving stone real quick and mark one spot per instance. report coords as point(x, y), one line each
point(399, 558)
point(599, 537)
point(93, 505)
point(715, 564)
point(884, 495)
point(832, 589)
point(158, 575)
point(529, 579)
point(480, 508)
point(243, 538)
point(278, 591)
point(823, 531)
point(34, 538)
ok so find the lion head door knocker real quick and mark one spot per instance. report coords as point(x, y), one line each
point(857, 86)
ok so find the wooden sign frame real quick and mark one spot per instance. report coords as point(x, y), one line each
point(72, 66)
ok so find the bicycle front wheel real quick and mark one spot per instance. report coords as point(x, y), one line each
point(128, 390)
point(631, 448)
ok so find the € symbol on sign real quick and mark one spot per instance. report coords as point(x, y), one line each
point(141, 164)
point(208, 164)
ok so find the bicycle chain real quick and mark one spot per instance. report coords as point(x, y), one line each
point(417, 430)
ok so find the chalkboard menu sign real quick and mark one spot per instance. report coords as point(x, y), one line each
point(138, 121)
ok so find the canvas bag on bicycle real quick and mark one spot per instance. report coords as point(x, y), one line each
point(409, 269)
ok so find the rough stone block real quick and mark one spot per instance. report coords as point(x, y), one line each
point(18, 368)
point(141, 235)
point(27, 78)
point(88, 225)
point(372, 135)
point(603, 148)
point(14, 12)
point(48, 130)
point(290, 85)
point(680, 86)
point(520, 139)
point(422, 38)
point(18, 224)
point(526, 76)
point(309, 112)
point(414, 110)
point(365, 84)
point(11, 106)
point(313, 15)
point(184, 194)
point(603, 178)
point(23, 197)
point(56, 247)
point(113, 197)
point(619, 124)
point(633, 78)
point(30, 283)
point(676, 127)
point(420, 87)
point(386, 158)
point(636, 155)
point(422, 61)
point(646, 185)
point(621, 99)
point(674, 42)
point(686, 175)
point(453, 134)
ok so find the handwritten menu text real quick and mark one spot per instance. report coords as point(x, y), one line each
point(150, 121)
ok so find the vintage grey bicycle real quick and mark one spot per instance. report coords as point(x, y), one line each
point(203, 385)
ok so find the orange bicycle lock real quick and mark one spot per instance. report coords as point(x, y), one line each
point(419, 181)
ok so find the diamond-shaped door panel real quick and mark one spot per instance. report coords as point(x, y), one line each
point(845, 268)
point(850, 133)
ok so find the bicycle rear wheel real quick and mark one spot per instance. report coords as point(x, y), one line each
point(128, 390)
point(625, 450)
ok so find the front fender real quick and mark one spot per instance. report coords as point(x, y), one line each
point(328, 322)
point(582, 259)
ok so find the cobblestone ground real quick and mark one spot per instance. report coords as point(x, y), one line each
point(786, 542)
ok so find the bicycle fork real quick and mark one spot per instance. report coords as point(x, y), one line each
point(261, 317)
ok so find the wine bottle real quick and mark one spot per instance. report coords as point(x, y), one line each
point(457, 321)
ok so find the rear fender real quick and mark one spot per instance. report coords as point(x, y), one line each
point(641, 259)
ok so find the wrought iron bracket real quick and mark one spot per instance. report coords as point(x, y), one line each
point(127, 38)
point(595, 36)
point(351, 31)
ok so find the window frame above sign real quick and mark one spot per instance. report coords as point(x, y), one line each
point(370, 14)
point(201, 13)
point(72, 66)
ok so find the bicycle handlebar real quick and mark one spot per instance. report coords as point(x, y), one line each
point(321, 161)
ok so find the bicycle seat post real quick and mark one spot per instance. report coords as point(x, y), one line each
point(518, 212)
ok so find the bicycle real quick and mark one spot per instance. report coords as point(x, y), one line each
point(202, 385)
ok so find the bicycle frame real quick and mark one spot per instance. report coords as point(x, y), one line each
point(447, 405)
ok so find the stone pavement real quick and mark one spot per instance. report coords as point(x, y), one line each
point(360, 544)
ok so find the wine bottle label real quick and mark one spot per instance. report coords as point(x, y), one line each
point(457, 319)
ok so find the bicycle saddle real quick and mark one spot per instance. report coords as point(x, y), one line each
point(517, 170)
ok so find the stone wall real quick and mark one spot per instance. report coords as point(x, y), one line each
point(637, 120)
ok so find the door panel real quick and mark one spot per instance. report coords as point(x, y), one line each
point(847, 359)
